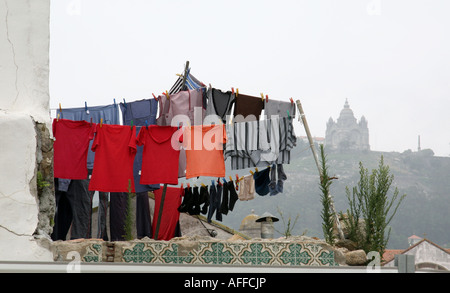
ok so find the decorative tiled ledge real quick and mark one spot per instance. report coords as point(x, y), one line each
point(290, 252)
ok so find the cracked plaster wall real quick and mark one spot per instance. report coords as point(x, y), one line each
point(24, 128)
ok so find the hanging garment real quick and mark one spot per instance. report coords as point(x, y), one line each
point(204, 199)
point(204, 150)
point(278, 109)
point(161, 153)
point(118, 207)
point(115, 149)
point(247, 188)
point(143, 217)
point(182, 107)
point(276, 185)
point(249, 108)
point(103, 203)
point(142, 112)
point(262, 180)
point(229, 198)
point(70, 148)
point(188, 200)
point(260, 143)
point(215, 195)
point(137, 169)
point(191, 82)
point(73, 211)
point(109, 114)
point(169, 214)
point(219, 103)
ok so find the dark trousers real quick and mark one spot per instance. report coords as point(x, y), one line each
point(73, 211)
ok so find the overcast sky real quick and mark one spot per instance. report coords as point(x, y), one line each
point(389, 58)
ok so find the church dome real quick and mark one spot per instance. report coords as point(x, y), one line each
point(346, 116)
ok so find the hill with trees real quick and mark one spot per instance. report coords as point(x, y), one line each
point(420, 175)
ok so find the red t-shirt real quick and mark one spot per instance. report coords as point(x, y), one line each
point(70, 148)
point(170, 214)
point(115, 149)
point(160, 155)
point(204, 150)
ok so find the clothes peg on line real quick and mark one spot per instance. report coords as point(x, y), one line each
point(212, 182)
point(262, 97)
point(156, 98)
point(115, 103)
point(57, 119)
point(251, 172)
point(86, 108)
point(232, 90)
point(101, 122)
point(237, 92)
point(124, 103)
point(267, 98)
point(231, 178)
point(292, 101)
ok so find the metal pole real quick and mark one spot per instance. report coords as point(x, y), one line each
point(316, 158)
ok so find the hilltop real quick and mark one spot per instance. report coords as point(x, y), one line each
point(421, 175)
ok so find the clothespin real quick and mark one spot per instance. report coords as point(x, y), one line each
point(256, 170)
point(86, 108)
point(267, 98)
point(224, 181)
point(289, 116)
point(181, 186)
point(237, 178)
point(212, 182)
point(131, 124)
point(188, 185)
point(156, 98)
point(232, 90)
point(251, 172)
point(91, 121)
point(231, 178)
point(262, 97)
point(57, 119)
point(60, 110)
point(218, 181)
point(124, 103)
point(292, 101)
point(237, 92)
point(115, 103)
point(167, 95)
point(101, 122)
point(146, 123)
point(203, 185)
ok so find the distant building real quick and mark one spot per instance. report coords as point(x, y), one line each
point(428, 255)
point(346, 133)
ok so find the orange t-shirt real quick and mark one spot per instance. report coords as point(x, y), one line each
point(204, 150)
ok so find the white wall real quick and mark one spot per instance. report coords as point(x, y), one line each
point(24, 100)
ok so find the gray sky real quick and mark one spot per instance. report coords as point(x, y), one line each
point(389, 58)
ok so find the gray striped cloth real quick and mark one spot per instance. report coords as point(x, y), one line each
point(260, 143)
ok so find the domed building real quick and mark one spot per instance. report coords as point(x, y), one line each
point(346, 133)
point(250, 227)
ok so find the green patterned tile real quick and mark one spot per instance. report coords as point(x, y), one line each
point(138, 254)
point(93, 253)
point(255, 255)
point(216, 253)
point(326, 258)
point(170, 255)
point(295, 256)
